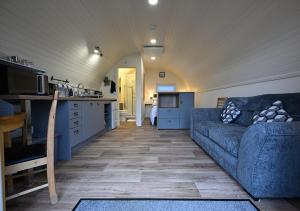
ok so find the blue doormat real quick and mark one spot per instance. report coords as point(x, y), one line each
point(164, 205)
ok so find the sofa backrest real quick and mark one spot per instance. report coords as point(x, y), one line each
point(249, 105)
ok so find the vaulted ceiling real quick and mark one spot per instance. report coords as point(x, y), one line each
point(208, 43)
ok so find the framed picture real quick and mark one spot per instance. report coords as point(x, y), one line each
point(162, 74)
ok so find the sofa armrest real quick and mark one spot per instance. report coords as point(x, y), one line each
point(269, 160)
point(204, 114)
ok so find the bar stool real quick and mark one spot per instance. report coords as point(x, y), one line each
point(28, 156)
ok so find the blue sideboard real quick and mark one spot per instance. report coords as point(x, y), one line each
point(174, 110)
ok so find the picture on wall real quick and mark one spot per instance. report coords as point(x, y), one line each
point(162, 74)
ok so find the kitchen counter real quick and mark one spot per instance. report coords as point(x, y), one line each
point(78, 119)
point(40, 97)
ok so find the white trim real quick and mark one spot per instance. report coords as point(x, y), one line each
point(255, 81)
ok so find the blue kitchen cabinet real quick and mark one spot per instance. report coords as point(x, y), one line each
point(174, 110)
point(77, 123)
point(68, 125)
point(93, 118)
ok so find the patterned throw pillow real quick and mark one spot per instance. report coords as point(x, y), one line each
point(230, 113)
point(275, 113)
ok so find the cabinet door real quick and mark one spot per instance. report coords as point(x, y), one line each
point(186, 104)
point(86, 117)
point(93, 118)
point(92, 124)
point(75, 136)
point(100, 116)
point(168, 123)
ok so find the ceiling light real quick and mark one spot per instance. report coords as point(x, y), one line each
point(153, 2)
point(153, 41)
point(153, 58)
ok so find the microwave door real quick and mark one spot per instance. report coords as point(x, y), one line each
point(21, 82)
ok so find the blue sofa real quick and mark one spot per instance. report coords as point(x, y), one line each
point(264, 158)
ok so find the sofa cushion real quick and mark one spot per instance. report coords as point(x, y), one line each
point(230, 113)
point(228, 137)
point(203, 126)
point(245, 118)
point(274, 113)
point(291, 103)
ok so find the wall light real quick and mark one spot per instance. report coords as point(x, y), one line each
point(98, 51)
point(153, 41)
point(153, 58)
point(153, 2)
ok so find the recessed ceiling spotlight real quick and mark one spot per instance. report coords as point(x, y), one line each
point(153, 41)
point(153, 58)
point(153, 2)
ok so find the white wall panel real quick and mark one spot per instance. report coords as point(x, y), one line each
point(288, 85)
point(208, 43)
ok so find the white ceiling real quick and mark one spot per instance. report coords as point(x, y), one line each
point(207, 42)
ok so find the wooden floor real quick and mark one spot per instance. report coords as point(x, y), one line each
point(144, 162)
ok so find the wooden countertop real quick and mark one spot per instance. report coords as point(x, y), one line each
point(37, 97)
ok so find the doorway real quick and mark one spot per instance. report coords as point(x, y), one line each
point(127, 94)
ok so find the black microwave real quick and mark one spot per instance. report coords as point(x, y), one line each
point(14, 80)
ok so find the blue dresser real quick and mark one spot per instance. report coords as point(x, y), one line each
point(174, 110)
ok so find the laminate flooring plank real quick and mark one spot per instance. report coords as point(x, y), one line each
point(144, 162)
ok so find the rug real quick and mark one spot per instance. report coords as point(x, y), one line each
point(164, 205)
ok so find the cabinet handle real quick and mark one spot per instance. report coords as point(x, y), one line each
point(75, 113)
point(75, 105)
